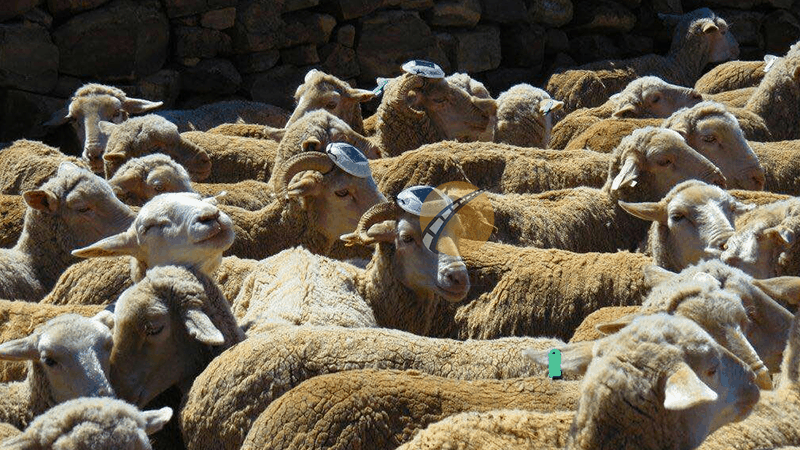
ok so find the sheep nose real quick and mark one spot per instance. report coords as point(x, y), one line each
point(696, 95)
point(730, 259)
point(718, 179)
point(457, 276)
point(758, 178)
point(210, 216)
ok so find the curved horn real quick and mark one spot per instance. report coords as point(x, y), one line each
point(378, 213)
point(298, 163)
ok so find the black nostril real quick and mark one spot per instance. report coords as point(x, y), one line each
point(210, 217)
point(457, 278)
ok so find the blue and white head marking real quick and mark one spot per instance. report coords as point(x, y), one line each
point(349, 158)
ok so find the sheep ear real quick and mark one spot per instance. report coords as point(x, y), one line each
point(655, 275)
point(105, 317)
point(121, 244)
point(200, 327)
point(549, 105)
point(781, 235)
point(652, 211)
point(414, 100)
point(106, 127)
point(781, 288)
point(627, 175)
point(22, 349)
point(114, 157)
point(59, 117)
point(138, 105)
point(362, 95)
point(796, 74)
point(684, 390)
point(42, 200)
point(156, 419)
point(624, 111)
point(309, 184)
point(616, 325)
point(575, 357)
point(310, 74)
point(276, 134)
point(311, 144)
point(710, 27)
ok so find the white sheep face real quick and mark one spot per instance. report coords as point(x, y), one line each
point(756, 248)
point(653, 97)
point(172, 229)
point(718, 137)
point(72, 351)
point(722, 43)
point(322, 91)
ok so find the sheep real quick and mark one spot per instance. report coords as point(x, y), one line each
point(700, 37)
point(68, 357)
point(666, 358)
point(250, 130)
point(733, 75)
point(642, 98)
point(400, 287)
point(763, 244)
point(313, 211)
point(141, 179)
point(416, 110)
point(774, 419)
point(7, 431)
point(230, 111)
point(167, 328)
point(472, 87)
point(12, 216)
point(777, 96)
point(152, 134)
point(91, 104)
point(498, 168)
point(91, 423)
point(524, 116)
point(214, 415)
point(737, 98)
point(644, 167)
point(26, 165)
point(70, 210)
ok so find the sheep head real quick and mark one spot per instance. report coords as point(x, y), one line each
point(162, 333)
point(475, 88)
point(457, 114)
point(141, 179)
point(714, 132)
point(71, 352)
point(524, 116)
point(83, 202)
point(659, 366)
point(692, 222)
point(322, 91)
point(650, 161)
point(763, 244)
point(174, 228)
point(716, 41)
point(652, 97)
point(92, 104)
point(418, 268)
point(149, 134)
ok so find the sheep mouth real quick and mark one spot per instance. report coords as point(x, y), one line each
point(452, 293)
point(212, 233)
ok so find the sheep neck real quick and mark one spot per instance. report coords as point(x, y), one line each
point(775, 100)
point(400, 128)
point(40, 241)
point(38, 396)
point(686, 60)
point(394, 305)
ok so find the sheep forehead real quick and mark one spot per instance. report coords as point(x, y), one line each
point(698, 194)
point(99, 89)
point(72, 333)
point(107, 104)
point(177, 206)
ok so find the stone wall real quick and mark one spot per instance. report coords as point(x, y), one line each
point(190, 52)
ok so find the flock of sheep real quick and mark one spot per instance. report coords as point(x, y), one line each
point(243, 277)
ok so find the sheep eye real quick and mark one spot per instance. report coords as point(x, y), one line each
point(330, 106)
point(158, 188)
point(677, 217)
point(439, 100)
point(50, 362)
point(341, 193)
point(709, 138)
point(84, 209)
point(655, 99)
point(407, 238)
point(664, 162)
point(711, 372)
point(153, 331)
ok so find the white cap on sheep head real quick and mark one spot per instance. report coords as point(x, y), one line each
point(171, 229)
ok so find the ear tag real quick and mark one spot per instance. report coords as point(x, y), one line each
point(382, 82)
point(554, 363)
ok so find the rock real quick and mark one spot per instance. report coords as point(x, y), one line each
point(557, 41)
point(40, 16)
point(302, 55)
point(64, 8)
point(23, 113)
point(260, 27)
point(551, 13)
point(258, 61)
point(180, 8)
point(196, 42)
point(561, 61)
point(66, 86)
point(13, 8)
point(28, 58)
point(602, 17)
point(632, 45)
point(275, 86)
point(216, 76)
point(667, 6)
point(632, 4)
point(351, 9)
point(220, 19)
point(308, 29)
point(780, 30)
point(745, 26)
point(122, 40)
point(455, 13)
point(346, 35)
point(389, 39)
point(750, 53)
point(163, 86)
point(339, 60)
point(295, 5)
point(187, 21)
point(499, 80)
point(593, 47)
point(448, 44)
point(523, 46)
point(478, 50)
point(690, 5)
point(503, 11)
